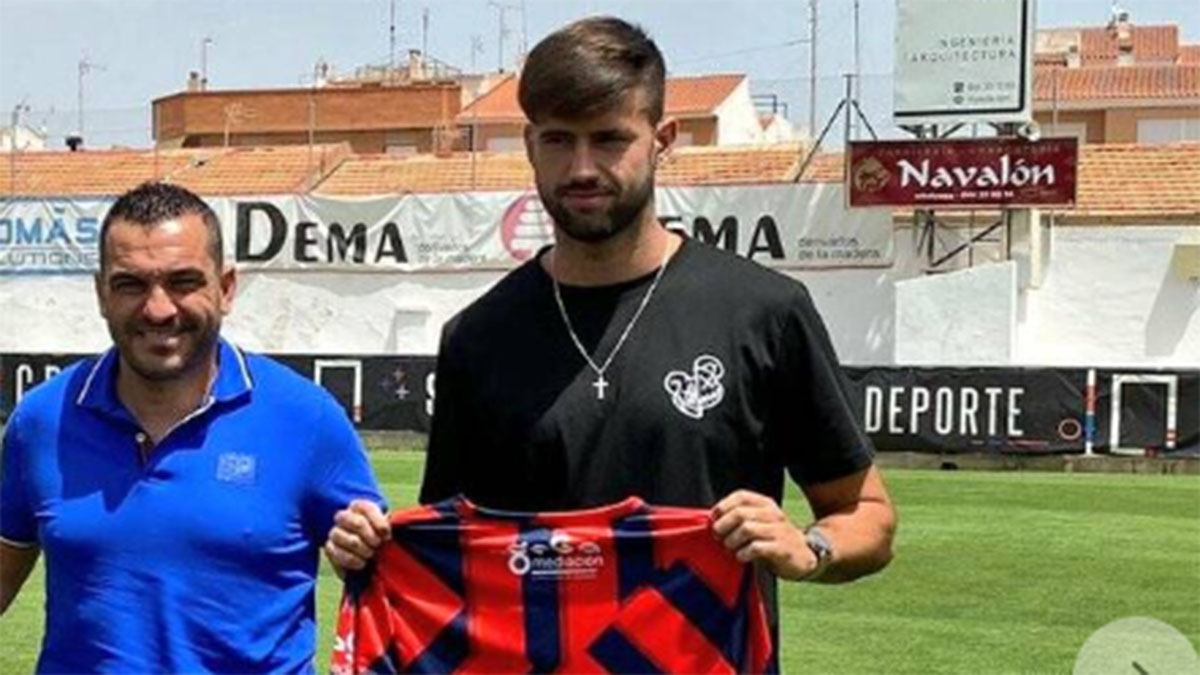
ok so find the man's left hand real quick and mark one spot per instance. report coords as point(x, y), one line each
point(756, 529)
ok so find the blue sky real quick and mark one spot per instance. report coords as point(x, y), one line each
point(145, 48)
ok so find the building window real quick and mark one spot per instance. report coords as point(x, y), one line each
point(1168, 131)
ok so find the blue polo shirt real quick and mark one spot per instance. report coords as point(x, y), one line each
point(202, 558)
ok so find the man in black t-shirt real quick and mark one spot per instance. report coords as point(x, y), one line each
point(627, 361)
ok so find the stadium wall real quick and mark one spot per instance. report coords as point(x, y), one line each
point(1109, 298)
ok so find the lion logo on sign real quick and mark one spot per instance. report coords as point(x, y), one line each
point(870, 175)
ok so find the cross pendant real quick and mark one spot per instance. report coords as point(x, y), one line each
point(600, 384)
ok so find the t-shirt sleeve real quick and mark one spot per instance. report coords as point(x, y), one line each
point(816, 429)
point(340, 471)
point(17, 524)
point(450, 430)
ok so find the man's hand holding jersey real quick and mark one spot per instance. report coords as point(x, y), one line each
point(358, 531)
point(852, 535)
point(755, 528)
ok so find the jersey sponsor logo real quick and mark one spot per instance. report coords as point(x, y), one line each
point(563, 556)
point(234, 467)
point(700, 390)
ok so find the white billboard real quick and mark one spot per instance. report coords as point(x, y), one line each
point(780, 225)
point(964, 61)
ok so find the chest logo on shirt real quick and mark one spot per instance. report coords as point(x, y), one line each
point(697, 391)
point(233, 467)
point(561, 556)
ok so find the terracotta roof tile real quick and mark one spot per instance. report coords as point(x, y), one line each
point(711, 165)
point(263, 170)
point(379, 174)
point(1049, 59)
point(685, 96)
point(498, 104)
point(1117, 82)
point(1115, 181)
point(102, 172)
point(701, 94)
point(220, 171)
point(382, 174)
point(1119, 179)
point(826, 167)
point(1151, 44)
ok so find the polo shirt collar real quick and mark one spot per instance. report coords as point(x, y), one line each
point(99, 390)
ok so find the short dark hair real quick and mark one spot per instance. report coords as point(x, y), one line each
point(589, 67)
point(152, 203)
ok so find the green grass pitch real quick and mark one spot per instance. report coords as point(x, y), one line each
point(994, 573)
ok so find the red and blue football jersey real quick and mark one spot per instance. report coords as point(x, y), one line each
point(626, 588)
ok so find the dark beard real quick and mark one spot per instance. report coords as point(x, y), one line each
point(601, 227)
point(204, 347)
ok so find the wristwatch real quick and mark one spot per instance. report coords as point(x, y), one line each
point(821, 547)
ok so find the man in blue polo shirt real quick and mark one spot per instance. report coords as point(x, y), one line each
point(180, 488)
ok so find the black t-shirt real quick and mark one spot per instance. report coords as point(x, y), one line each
point(726, 380)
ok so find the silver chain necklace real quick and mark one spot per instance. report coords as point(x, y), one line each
point(601, 384)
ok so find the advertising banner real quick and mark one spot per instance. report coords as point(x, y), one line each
point(963, 61)
point(796, 226)
point(1030, 410)
point(963, 172)
point(939, 410)
point(781, 225)
point(50, 236)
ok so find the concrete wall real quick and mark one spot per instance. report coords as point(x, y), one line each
point(1116, 125)
point(940, 319)
point(737, 120)
point(272, 111)
point(1094, 119)
point(22, 138)
point(1108, 298)
point(1121, 124)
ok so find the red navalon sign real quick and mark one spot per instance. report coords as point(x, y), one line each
point(967, 172)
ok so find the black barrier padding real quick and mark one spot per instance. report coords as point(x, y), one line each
point(945, 410)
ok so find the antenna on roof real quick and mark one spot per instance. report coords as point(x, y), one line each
point(75, 141)
point(424, 38)
point(524, 33)
point(392, 42)
point(204, 62)
point(476, 48)
point(1117, 16)
point(501, 10)
point(13, 148)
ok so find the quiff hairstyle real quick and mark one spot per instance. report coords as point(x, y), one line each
point(152, 203)
point(587, 68)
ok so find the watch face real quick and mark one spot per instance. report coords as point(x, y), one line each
point(1137, 645)
point(819, 543)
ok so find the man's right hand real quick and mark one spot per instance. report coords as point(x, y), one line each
point(358, 531)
